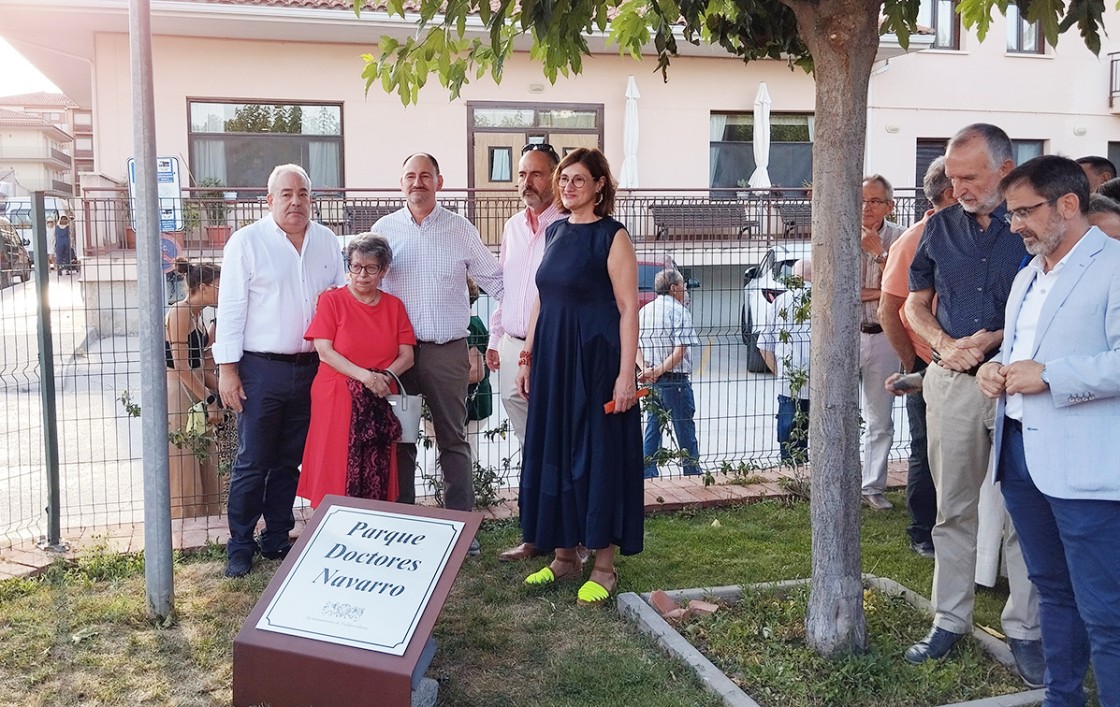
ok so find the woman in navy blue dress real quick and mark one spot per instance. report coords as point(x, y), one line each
point(581, 477)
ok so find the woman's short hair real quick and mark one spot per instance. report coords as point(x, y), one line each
point(371, 245)
point(596, 163)
point(197, 273)
point(664, 281)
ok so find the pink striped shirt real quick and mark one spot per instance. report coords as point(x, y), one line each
point(520, 256)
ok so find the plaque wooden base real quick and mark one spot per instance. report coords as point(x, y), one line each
point(281, 670)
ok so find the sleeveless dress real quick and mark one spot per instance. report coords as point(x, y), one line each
point(581, 474)
point(196, 488)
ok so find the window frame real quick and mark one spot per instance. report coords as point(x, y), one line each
point(1015, 30)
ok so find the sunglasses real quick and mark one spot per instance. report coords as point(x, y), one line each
point(542, 147)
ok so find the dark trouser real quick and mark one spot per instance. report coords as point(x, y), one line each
point(1069, 547)
point(273, 428)
point(61, 253)
point(439, 373)
point(673, 395)
point(793, 429)
point(921, 496)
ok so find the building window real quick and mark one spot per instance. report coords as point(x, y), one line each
point(1114, 152)
point(731, 150)
point(1023, 150)
point(1022, 37)
point(941, 16)
point(239, 144)
point(501, 164)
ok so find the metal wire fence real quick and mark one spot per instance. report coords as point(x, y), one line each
point(711, 237)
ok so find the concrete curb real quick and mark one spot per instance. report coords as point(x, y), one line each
point(636, 608)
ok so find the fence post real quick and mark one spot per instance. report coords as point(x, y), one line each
point(53, 540)
point(158, 572)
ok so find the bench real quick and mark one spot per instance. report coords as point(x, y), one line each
point(701, 220)
point(361, 217)
point(797, 218)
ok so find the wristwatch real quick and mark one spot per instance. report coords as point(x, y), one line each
point(211, 399)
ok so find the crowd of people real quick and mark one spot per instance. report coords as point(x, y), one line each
point(997, 315)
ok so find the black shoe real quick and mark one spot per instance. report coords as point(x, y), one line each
point(276, 554)
point(239, 564)
point(934, 646)
point(1029, 661)
point(923, 548)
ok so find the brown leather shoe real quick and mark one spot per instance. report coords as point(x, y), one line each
point(524, 551)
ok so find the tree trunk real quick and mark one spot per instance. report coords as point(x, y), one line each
point(843, 37)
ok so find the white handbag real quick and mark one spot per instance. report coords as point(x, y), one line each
point(407, 408)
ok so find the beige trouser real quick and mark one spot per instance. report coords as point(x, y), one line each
point(517, 408)
point(959, 420)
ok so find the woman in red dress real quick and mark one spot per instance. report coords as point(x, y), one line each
point(359, 332)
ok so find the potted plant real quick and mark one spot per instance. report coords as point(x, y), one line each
point(212, 200)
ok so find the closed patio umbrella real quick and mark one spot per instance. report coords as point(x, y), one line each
point(628, 175)
point(761, 178)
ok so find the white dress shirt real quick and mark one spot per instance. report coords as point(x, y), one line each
point(520, 256)
point(268, 290)
point(779, 318)
point(1026, 326)
point(663, 325)
point(431, 261)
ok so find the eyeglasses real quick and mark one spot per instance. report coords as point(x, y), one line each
point(876, 203)
point(542, 147)
point(1024, 212)
point(578, 181)
point(370, 270)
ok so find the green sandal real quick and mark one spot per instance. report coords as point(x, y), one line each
point(594, 594)
point(545, 576)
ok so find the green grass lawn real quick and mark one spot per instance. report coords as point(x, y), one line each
point(80, 636)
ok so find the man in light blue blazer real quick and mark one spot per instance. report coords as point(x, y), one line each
point(1057, 431)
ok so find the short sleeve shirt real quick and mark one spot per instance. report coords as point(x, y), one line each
point(969, 268)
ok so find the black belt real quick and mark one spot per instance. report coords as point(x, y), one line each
point(673, 376)
point(516, 338)
point(1014, 424)
point(300, 359)
point(871, 329)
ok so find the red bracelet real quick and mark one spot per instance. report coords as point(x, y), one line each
point(524, 358)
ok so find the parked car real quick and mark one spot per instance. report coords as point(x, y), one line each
point(14, 261)
point(762, 284)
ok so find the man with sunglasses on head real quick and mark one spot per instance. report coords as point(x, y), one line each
point(521, 252)
point(968, 258)
point(273, 272)
point(434, 250)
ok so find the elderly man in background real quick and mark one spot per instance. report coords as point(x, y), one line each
point(968, 258)
point(914, 355)
point(1057, 380)
point(433, 252)
point(519, 258)
point(1104, 213)
point(273, 272)
point(877, 358)
point(665, 341)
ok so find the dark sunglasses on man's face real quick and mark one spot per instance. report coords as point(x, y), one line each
point(542, 147)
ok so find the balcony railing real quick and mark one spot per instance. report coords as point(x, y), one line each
point(38, 154)
point(709, 218)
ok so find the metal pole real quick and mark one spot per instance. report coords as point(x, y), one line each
point(153, 374)
point(53, 541)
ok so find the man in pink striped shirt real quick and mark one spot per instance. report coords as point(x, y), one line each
point(521, 252)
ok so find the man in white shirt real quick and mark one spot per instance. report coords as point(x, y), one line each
point(665, 340)
point(1057, 382)
point(520, 256)
point(783, 341)
point(433, 252)
point(272, 274)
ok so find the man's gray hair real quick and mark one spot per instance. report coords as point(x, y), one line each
point(371, 245)
point(936, 182)
point(284, 168)
point(1101, 204)
point(665, 279)
point(881, 181)
point(997, 142)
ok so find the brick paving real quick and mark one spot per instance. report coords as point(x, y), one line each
point(661, 495)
